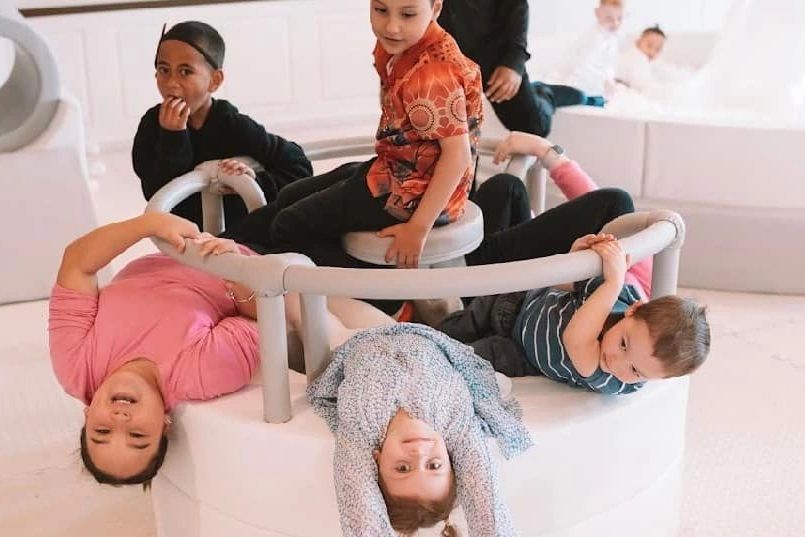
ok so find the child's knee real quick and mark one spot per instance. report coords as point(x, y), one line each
point(504, 185)
point(617, 199)
point(282, 227)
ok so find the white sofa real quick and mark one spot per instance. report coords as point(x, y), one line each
point(739, 187)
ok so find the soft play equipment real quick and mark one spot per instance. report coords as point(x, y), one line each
point(46, 201)
point(601, 465)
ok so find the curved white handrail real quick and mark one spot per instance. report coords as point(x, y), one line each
point(657, 233)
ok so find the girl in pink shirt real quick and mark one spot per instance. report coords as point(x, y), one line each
point(159, 333)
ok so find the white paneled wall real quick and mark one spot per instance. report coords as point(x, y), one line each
point(298, 66)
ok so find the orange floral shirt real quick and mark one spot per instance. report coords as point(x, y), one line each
point(430, 91)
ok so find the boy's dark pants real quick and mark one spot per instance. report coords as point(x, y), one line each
point(311, 215)
point(486, 324)
point(548, 233)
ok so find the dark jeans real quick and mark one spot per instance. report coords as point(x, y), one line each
point(486, 324)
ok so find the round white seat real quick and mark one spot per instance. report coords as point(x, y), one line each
point(599, 463)
point(444, 243)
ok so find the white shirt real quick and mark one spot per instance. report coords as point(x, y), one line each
point(592, 61)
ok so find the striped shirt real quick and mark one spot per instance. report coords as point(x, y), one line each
point(543, 319)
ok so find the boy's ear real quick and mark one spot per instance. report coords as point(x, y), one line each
point(375, 454)
point(216, 80)
point(633, 308)
point(437, 8)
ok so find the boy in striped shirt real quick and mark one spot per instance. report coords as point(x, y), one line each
point(596, 334)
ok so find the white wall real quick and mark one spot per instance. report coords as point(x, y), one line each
point(291, 64)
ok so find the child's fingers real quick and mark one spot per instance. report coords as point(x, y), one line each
point(177, 241)
point(388, 231)
point(503, 151)
point(391, 255)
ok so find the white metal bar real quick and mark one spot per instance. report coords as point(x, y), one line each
point(274, 359)
point(468, 281)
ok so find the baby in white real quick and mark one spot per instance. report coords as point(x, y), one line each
point(592, 62)
point(640, 70)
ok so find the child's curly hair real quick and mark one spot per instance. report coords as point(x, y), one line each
point(407, 515)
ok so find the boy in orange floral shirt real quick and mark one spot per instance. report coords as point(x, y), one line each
point(426, 149)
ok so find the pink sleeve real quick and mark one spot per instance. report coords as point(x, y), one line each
point(572, 180)
point(228, 357)
point(71, 334)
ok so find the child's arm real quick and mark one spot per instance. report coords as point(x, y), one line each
point(85, 256)
point(581, 335)
point(160, 154)
point(567, 174)
point(409, 237)
point(283, 161)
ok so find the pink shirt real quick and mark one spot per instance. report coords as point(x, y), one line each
point(156, 308)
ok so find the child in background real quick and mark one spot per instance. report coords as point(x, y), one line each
point(596, 334)
point(190, 127)
point(426, 145)
point(590, 66)
point(640, 69)
point(411, 409)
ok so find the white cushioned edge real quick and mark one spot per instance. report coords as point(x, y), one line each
point(223, 456)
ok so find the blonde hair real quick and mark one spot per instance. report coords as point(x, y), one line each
point(613, 3)
point(407, 516)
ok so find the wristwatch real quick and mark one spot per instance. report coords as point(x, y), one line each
point(553, 153)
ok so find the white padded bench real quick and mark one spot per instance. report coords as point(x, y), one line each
point(600, 466)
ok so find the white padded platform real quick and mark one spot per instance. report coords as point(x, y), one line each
point(598, 463)
point(444, 243)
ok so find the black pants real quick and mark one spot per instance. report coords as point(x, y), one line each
point(549, 233)
point(311, 215)
point(316, 209)
point(530, 110)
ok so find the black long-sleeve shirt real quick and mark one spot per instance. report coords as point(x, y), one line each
point(160, 155)
point(490, 32)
